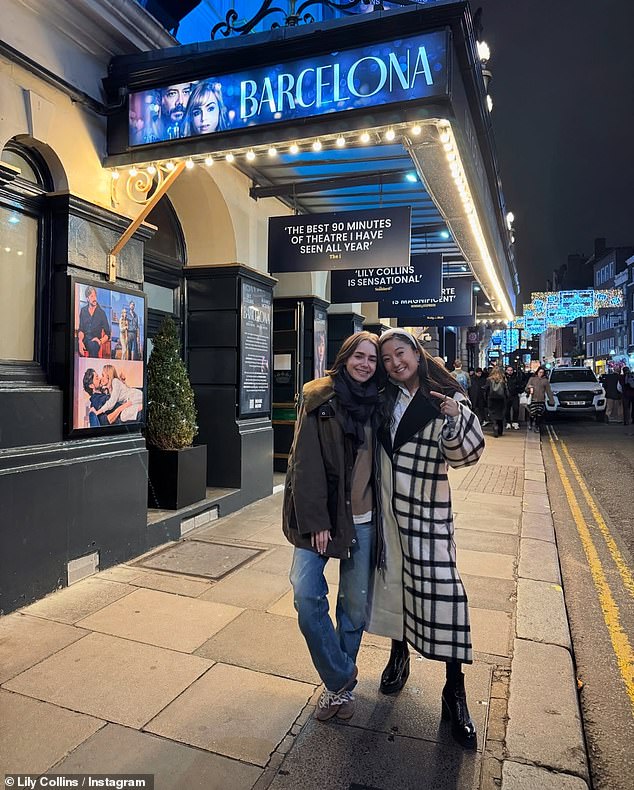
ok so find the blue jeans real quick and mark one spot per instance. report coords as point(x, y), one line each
point(333, 652)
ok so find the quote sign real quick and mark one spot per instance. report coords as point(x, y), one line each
point(422, 278)
point(343, 240)
point(456, 307)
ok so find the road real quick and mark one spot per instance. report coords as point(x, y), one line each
point(590, 477)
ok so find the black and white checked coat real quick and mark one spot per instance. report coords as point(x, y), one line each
point(418, 593)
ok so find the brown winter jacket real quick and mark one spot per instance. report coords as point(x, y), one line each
point(317, 492)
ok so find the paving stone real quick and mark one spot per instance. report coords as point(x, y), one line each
point(277, 561)
point(535, 487)
point(485, 563)
point(35, 735)
point(229, 527)
point(415, 711)
point(263, 642)
point(235, 712)
point(536, 503)
point(26, 640)
point(496, 723)
point(490, 631)
point(532, 475)
point(119, 750)
point(518, 776)
point(73, 603)
point(197, 558)
point(539, 560)
point(544, 722)
point(248, 588)
point(489, 522)
point(486, 504)
point(352, 758)
point(162, 619)
point(120, 573)
point(172, 583)
point(270, 534)
point(539, 526)
point(110, 678)
point(485, 592)
point(483, 540)
point(541, 613)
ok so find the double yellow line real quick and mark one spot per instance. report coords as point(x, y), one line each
point(620, 642)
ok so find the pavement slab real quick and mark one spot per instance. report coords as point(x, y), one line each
point(229, 527)
point(263, 642)
point(47, 733)
point(535, 487)
point(531, 475)
point(486, 563)
point(490, 522)
point(536, 503)
point(415, 711)
point(120, 573)
point(490, 631)
point(541, 613)
point(78, 601)
point(352, 758)
point(235, 712)
point(544, 721)
point(249, 588)
point(172, 583)
point(270, 535)
point(277, 561)
point(539, 560)
point(485, 540)
point(518, 776)
point(538, 526)
point(111, 678)
point(486, 592)
point(26, 640)
point(119, 750)
point(162, 619)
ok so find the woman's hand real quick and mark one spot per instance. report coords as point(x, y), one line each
point(448, 406)
point(320, 540)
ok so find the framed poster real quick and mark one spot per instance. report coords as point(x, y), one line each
point(255, 350)
point(320, 329)
point(107, 388)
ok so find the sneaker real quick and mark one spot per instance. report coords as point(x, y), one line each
point(346, 710)
point(515, 426)
point(330, 702)
point(508, 426)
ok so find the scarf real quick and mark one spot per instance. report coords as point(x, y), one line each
point(357, 402)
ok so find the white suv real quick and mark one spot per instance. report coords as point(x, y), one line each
point(576, 391)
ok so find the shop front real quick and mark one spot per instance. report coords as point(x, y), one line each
point(329, 131)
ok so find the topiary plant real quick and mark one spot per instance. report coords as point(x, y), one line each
point(171, 417)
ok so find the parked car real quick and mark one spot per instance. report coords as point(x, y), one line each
point(576, 391)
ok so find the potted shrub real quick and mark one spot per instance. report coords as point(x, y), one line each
point(177, 471)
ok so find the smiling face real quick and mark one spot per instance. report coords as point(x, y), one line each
point(361, 364)
point(400, 360)
point(206, 115)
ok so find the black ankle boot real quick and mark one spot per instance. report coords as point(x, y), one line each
point(396, 672)
point(454, 709)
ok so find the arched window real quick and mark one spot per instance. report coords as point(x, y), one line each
point(24, 254)
point(163, 261)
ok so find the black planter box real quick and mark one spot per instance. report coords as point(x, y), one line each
point(177, 478)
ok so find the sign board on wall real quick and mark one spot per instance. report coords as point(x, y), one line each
point(343, 240)
point(423, 278)
point(255, 350)
point(409, 69)
point(456, 307)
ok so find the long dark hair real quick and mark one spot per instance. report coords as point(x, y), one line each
point(349, 346)
point(431, 375)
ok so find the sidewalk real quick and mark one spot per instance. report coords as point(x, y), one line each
point(188, 664)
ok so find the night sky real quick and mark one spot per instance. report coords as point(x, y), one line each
point(563, 119)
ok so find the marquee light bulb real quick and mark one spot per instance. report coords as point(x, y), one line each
point(341, 141)
point(484, 52)
point(209, 161)
point(272, 151)
point(229, 157)
point(189, 164)
point(250, 156)
point(294, 149)
point(133, 172)
point(115, 175)
point(365, 137)
point(416, 129)
point(317, 145)
point(390, 135)
point(151, 170)
point(169, 165)
point(444, 137)
point(489, 103)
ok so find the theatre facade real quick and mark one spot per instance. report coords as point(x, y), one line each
point(271, 193)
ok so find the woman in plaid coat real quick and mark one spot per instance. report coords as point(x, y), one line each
point(418, 596)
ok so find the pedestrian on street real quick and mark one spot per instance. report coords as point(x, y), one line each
point(476, 395)
point(626, 383)
point(613, 398)
point(328, 512)
point(538, 387)
point(515, 385)
point(497, 395)
point(460, 376)
point(418, 597)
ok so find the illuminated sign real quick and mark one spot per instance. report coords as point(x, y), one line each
point(423, 277)
point(406, 70)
